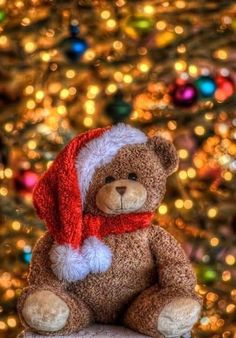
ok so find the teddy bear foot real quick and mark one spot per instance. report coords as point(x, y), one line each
point(178, 317)
point(45, 311)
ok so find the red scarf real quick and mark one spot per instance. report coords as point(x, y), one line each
point(101, 226)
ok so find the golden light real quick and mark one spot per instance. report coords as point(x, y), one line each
point(20, 244)
point(148, 9)
point(70, 73)
point(16, 225)
point(30, 47)
point(39, 95)
point(3, 326)
point(180, 66)
point(191, 172)
point(9, 294)
point(8, 173)
point(92, 91)
point(8, 127)
point(89, 106)
point(11, 322)
point(127, 78)
point(226, 276)
point(105, 14)
point(221, 54)
point(163, 209)
point(118, 45)
point(179, 30)
point(212, 212)
point(30, 104)
point(230, 260)
point(183, 153)
point(61, 110)
point(45, 57)
point(188, 204)
point(118, 76)
point(228, 176)
point(160, 25)
point(214, 241)
point(3, 191)
point(183, 175)
point(180, 4)
point(111, 88)
point(144, 67)
point(172, 125)
point(179, 204)
point(199, 130)
point(111, 24)
point(193, 70)
point(64, 93)
point(29, 90)
point(88, 121)
point(230, 308)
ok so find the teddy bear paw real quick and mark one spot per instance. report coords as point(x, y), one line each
point(44, 311)
point(178, 317)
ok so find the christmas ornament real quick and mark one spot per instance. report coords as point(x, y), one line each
point(118, 109)
point(183, 94)
point(225, 87)
point(2, 15)
point(27, 254)
point(138, 25)
point(207, 274)
point(206, 86)
point(25, 181)
point(73, 46)
point(164, 39)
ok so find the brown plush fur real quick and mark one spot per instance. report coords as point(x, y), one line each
point(149, 268)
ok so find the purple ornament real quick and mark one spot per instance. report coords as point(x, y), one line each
point(184, 94)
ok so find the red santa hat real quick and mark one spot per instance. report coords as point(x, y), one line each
point(60, 194)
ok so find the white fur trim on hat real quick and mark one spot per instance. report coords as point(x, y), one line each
point(97, 255)
point(68, 264)
point(101, 150)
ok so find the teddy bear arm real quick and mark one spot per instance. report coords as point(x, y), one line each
point(40, 271)
point(174, 268)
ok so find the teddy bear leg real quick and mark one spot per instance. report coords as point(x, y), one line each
point(163, 313)
point(52, 311)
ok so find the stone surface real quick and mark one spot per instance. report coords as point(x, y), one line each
point(100, 331)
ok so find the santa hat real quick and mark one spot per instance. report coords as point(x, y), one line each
point(60, 194)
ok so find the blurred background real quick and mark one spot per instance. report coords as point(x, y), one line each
point(166, 66)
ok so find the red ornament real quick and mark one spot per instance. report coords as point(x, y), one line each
point(184, 94)
point(225, 88)
point(25, 181)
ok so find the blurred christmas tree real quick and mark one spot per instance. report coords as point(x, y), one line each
point(165, 66)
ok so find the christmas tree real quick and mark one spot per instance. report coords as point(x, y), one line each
point(167, 67)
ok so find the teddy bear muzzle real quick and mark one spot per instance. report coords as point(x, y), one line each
point(121, 197)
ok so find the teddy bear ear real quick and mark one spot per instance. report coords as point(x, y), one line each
point(166, 152)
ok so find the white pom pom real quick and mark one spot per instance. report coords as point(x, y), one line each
point(97, 254)
point(68, 264)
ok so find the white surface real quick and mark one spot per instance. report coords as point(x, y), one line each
point(101, 331)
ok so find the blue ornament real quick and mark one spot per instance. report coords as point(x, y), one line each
point(73, 46)
point(27, 254)
point(27, 257)
point(206, 86)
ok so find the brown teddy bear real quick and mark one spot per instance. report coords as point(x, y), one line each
point(102, 260)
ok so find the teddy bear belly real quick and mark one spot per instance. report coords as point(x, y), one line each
point(132, 271)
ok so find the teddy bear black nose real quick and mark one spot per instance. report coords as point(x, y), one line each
point(121, 190)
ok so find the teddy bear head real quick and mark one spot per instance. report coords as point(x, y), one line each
point(134, 180)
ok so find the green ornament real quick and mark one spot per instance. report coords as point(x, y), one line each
point(138, 25)
point(207, 274)
point(118, 109)
point(2, 15)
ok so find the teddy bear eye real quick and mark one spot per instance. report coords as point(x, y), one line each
point(132, 176)
point(109, 179)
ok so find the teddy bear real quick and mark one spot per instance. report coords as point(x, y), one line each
point(102, 260)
